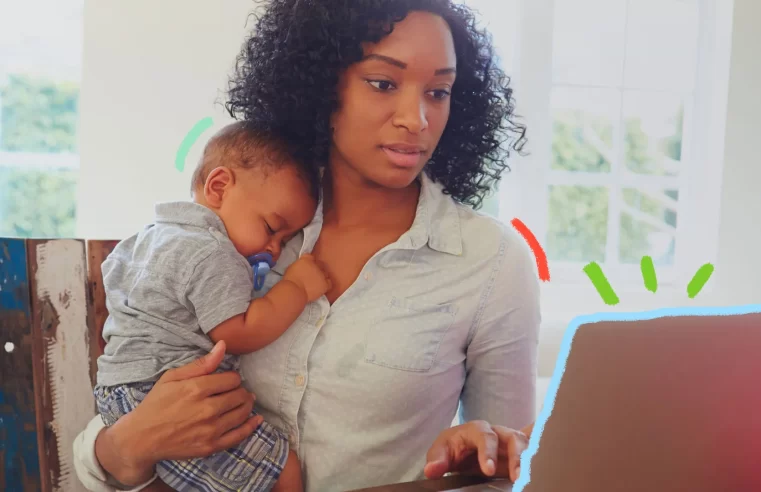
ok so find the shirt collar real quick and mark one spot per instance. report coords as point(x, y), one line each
point(188, 213)
point(437, 220)
point(436, 224)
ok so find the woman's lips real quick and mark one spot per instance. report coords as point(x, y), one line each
point(402, 157)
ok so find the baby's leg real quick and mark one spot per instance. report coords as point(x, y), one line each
point(290, 479)
point(254, 465)
point(115, 402)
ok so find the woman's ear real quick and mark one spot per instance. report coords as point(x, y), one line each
point(218, 182)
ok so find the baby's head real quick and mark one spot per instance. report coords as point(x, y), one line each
point(250, 180)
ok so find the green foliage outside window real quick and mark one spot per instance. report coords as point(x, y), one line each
point(578, 215)
point(37, 116)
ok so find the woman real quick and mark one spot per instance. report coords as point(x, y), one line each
point(400, 108)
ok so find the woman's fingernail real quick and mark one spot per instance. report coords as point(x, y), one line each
point(490, 466)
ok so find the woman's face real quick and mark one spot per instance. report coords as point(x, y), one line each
point(394, 104)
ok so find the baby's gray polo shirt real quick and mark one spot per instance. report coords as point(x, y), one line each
point(166, 288)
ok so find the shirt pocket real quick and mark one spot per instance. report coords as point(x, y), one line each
point(407, 335)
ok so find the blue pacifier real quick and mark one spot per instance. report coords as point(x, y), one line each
point(262, 263)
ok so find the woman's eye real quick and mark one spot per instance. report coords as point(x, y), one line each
point(381, 85)
point(440, 94)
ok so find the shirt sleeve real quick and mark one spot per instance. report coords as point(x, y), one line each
point(86, 464)
point(501, 358)
point(220, 287)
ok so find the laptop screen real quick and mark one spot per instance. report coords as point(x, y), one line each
point(669, 404)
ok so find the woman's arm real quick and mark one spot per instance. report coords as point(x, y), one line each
point(500, 383)
point(189, 413)
point(501, 359)
point(88, 468)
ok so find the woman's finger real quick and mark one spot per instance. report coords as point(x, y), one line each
point(515, 443)
point(217, 384)
point(437, 460)
point(515, 450)
point(487, 442)
point(233, 418)
point(231, 400)
point(236, 436)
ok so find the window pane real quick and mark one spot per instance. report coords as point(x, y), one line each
point(40, 70)
point(37, 202)
point(577, 224)
point(648, 226)
point(38, 114)
point(583, 123)
point(588, 42)
point(662, 44)
point(654, 132)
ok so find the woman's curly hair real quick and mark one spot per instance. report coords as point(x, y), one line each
point(287, 74)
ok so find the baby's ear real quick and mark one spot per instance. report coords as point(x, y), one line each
point(218, 181)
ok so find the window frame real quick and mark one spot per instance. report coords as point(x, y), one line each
point(524, 192)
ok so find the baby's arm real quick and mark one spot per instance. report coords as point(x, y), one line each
point(269, 316)
point(265, 320)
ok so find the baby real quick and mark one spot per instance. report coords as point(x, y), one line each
point(184, 282)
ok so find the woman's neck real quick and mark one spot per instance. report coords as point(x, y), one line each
point(351, 201)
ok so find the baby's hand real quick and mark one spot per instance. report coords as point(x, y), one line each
point(307, 273)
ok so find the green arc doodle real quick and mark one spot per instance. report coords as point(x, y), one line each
point(189, 140)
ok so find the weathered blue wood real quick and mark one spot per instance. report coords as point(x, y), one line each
point(19, 458)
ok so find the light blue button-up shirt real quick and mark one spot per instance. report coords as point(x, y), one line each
point(447, 314)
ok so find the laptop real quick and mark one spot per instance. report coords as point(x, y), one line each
point(452, 483)
point(666, 404)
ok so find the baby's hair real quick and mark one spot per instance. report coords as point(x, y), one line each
point(242, 145)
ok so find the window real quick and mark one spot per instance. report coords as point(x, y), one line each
point(40, 63)
point(623, 100)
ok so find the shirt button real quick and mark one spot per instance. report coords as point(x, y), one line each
point(320, 321)
point(299, 380)
point(369, 276)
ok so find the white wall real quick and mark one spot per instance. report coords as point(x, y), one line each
point(738, 271)
point(151, 70)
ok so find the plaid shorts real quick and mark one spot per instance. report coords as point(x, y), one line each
point(254, 465)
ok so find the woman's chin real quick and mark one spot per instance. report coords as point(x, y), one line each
point(399, 178)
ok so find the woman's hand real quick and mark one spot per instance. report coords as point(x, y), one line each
point(478, 448)
point(189, 413)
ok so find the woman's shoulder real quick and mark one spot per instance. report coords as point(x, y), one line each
point(485, 235)
point(508, 262)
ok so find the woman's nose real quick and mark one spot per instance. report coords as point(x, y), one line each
point(411, 113)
